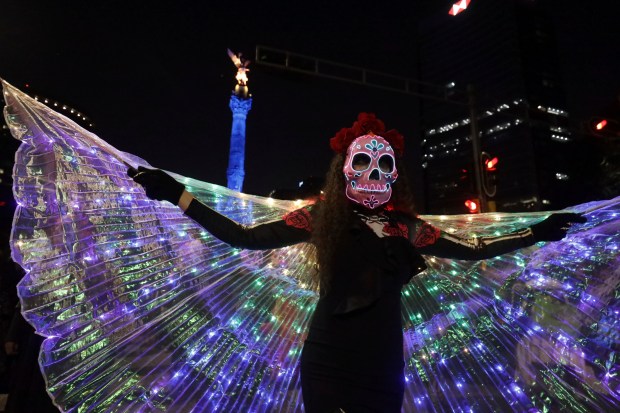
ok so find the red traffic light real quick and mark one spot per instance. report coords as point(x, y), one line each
point(458, 7)
point(473, 205)
point(491, 163)
point(600, 125)
point(606, 122)
point(604, 127)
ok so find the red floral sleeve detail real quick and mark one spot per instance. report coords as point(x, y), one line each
point(399, 229)
point(426, 235)
point(299, 218)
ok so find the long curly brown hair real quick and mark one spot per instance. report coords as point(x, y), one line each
point(334, 213)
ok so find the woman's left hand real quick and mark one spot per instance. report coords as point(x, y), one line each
point(555, 226)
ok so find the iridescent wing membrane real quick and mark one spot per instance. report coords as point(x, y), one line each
point(534, 330)
point(145, 311)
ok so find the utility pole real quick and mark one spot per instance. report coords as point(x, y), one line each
point(293, 62)
point(475, 141)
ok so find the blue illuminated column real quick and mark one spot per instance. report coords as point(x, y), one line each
point(235, 173)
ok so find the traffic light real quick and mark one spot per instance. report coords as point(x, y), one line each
point(489, 179)
point(466, 181)
point(473, 205)
point(463, 174)
point(458, 7)
point(489, 164)
point(604, 127)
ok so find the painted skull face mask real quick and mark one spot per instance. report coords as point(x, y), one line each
point(370, 171)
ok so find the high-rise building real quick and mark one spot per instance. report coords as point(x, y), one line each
point(506, 49)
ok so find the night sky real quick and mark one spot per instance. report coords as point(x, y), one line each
point(155, 78)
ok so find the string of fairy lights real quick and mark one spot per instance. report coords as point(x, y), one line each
point(63, 108)
point(144, 310)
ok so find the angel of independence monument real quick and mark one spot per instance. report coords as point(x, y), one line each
point(240, 104)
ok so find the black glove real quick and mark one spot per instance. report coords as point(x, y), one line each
point(157, 184)
point(555, 226)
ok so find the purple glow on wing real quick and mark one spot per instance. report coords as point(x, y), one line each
point(144, 311)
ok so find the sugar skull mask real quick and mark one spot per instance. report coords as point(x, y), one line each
point(370, 171)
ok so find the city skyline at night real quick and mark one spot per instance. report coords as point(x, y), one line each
point(156, 79)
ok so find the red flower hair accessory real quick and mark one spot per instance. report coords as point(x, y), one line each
point(364, 125)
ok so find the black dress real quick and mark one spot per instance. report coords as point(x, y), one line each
point(353, 355)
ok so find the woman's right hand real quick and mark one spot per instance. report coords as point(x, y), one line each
point(157, 184)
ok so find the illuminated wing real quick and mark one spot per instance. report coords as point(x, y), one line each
point(534, 330)
point(145, 311)
point(236, 60)
point(142, 309)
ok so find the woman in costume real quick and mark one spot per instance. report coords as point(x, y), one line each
point(369, 243)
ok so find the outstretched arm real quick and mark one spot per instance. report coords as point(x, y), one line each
point(161, 186)
point(430, 240)
point(270, 235)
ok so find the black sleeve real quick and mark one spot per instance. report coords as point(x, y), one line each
point(430, 240)
point(281, 233)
